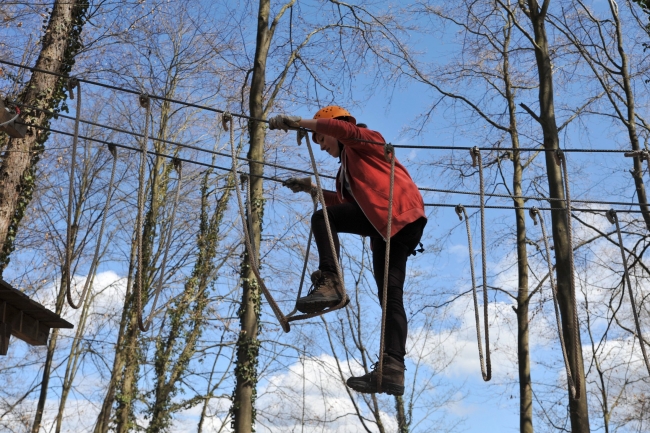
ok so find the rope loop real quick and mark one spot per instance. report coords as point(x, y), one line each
point(225, 118)
point(459, 211)
point(71, 225)
point(558, 155)
point(144, 100)
point(71, 84)
point(300, 134)
point(389, 152)
point(533, 212)
point(475, 153)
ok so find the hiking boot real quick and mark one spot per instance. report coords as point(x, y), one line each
point(392, 381)
point(326, 291)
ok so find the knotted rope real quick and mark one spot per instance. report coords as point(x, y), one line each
point(574, 386)
point(486, 371)
point(139, 223)
point(613, 218)
point(389, 155)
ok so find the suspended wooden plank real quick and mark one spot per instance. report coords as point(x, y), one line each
point(25, 319)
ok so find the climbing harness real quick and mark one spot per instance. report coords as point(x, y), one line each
point(389, 156)
point(560, 159)
point(613, 218)
point(486, 370)
point(139, 223)
point(574, 386)
point(170, 230)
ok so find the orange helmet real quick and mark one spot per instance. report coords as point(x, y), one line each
point(334, 112)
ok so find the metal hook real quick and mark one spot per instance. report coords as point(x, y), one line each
point(144, 100)
point(611, 216)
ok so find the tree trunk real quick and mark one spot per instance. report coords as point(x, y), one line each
point(243, 412)
point(578, 408)
point(61, 43)
point(523, 300)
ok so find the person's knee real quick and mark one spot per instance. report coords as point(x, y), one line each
point(317, 217)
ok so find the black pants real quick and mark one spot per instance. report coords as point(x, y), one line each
point(349, 218)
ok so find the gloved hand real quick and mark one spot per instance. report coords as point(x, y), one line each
point(297, 184)
point(284, 122)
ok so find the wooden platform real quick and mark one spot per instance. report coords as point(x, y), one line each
point(25, 319)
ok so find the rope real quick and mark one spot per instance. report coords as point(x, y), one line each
point(484, 372)
point(243, 116)
point(253, 262)
point(330, 237)
point(274, 179)
point(613, 218)
point(306, 261)
point(139, 224)
point(476, 158)
point(389, 155)
point(573, 387)
point(179, 169)
point(72, 83)
point(560, 159)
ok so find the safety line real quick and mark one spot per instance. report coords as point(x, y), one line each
point(297, 170)
point(174, 143)
point(275, 179)
point(243, 116)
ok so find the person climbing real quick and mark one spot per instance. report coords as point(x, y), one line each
point(360, 206)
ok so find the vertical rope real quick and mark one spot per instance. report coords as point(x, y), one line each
point(611, 215)
point(476, 158)
point(575, 390)
point(576, 334)
point(247, 240)
point(305, 261)
point(69, 247)
point(460, 209)
point(389, 155)
point(144, 103)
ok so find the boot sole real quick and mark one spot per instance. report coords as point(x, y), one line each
point(371, 388)
point(319, 305)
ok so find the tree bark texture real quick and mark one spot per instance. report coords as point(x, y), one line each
point(60, 44)
point(243, 411)
point(578, 409)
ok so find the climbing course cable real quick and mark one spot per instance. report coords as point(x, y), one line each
point(486, 372)
point(475, 152)
point(139, 223)
point(70, 236)
point(170, 230)
point(613, 218)
point(560, 159)
point(389, 155)
point(574, 386)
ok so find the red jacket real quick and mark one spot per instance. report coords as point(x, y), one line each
point(368, 175)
